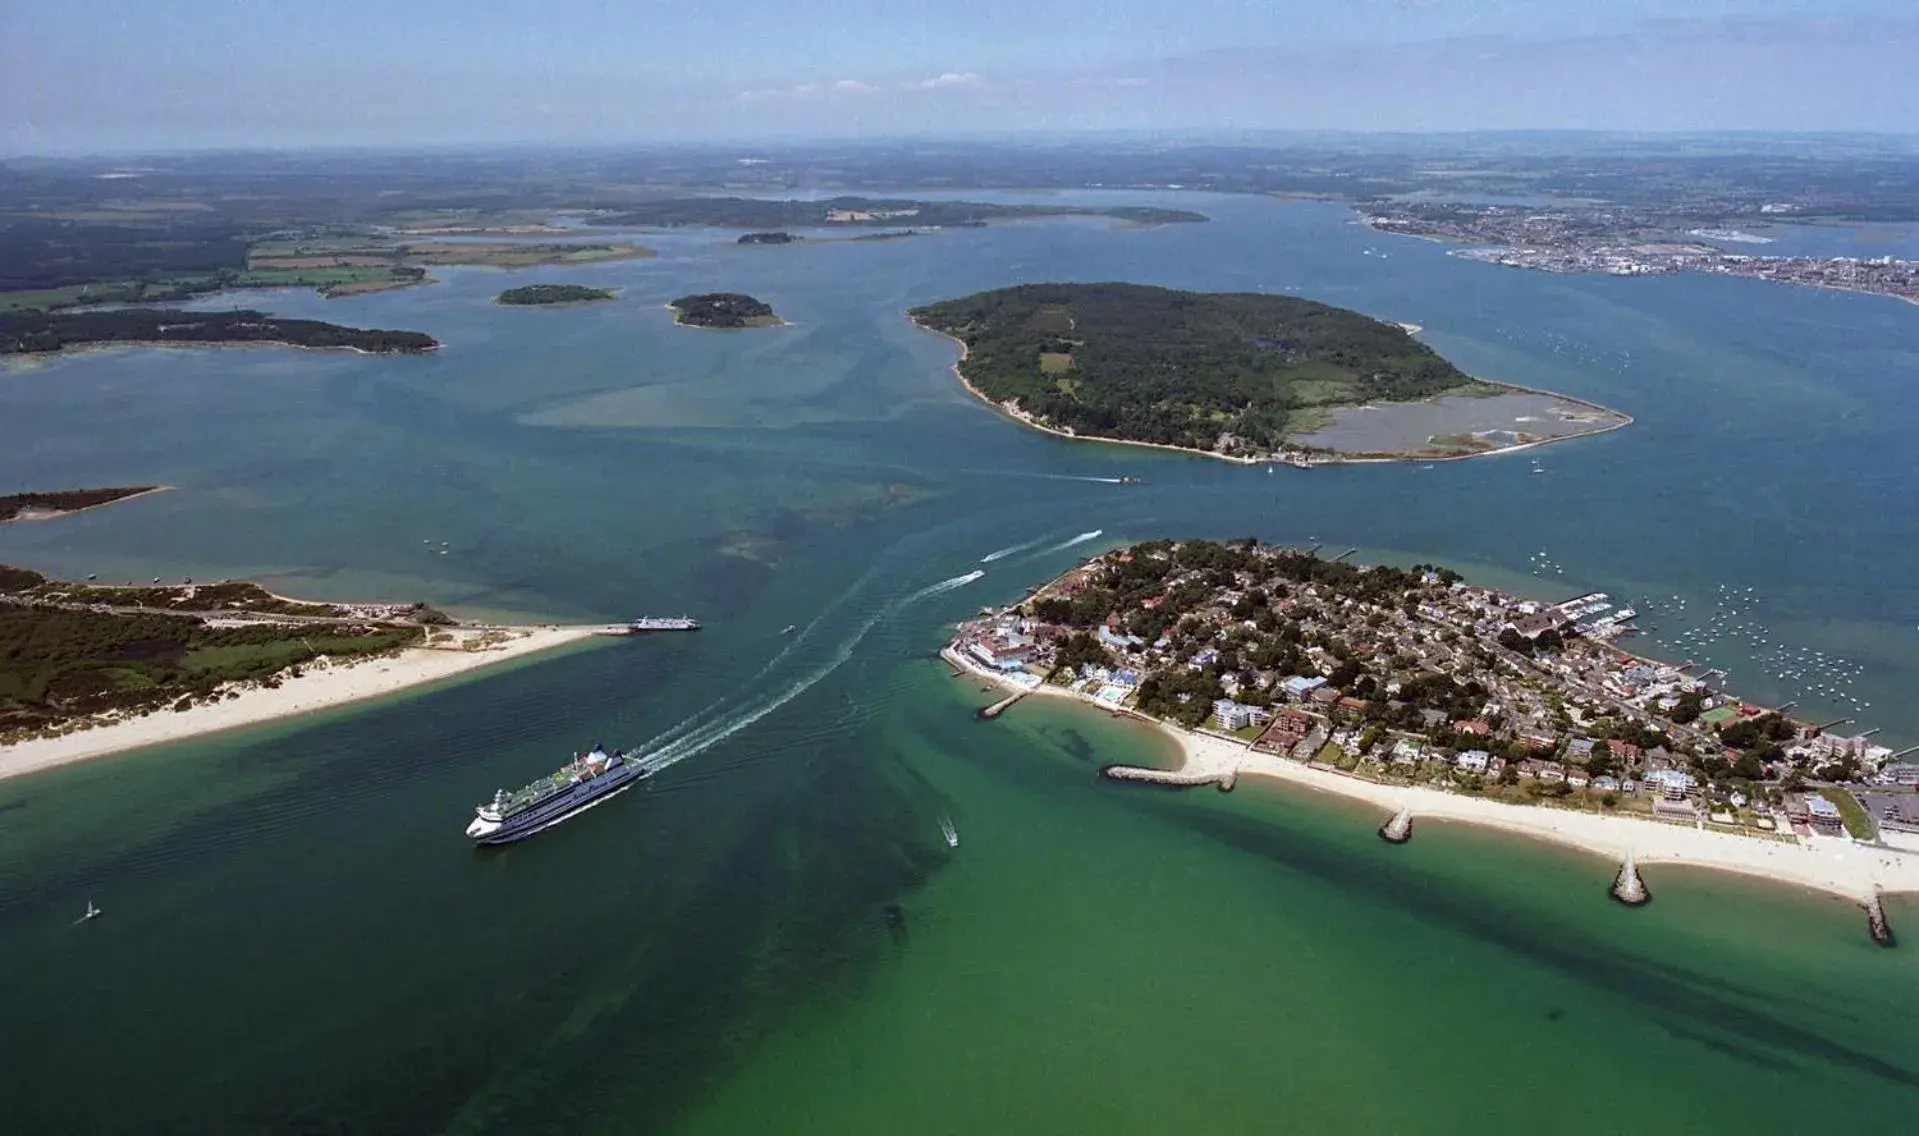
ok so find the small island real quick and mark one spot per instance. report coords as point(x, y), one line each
point(725, 310)
point(549, 295)
point(35, 332)
point(769, 239)
point(65, 502)
point(1432, 697)
point(1242, 376)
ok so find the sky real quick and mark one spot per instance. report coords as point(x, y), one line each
point(107, 75)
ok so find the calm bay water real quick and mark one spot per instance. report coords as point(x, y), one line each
point(298, 939)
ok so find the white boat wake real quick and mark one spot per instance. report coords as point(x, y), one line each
point(1010, 550)
point(944, 586)
point(722, 721)
point(1066, 544)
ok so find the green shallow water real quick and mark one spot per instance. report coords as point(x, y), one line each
point(297, 939)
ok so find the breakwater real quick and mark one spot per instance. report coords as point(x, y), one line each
point(1627, 887)
point(1399, 829)
point(1176, 778)
point(1876, 923)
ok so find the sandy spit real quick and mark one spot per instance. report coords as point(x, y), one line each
point(324, 684)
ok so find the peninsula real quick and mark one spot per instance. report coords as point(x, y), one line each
point(548, 295)
point(65, 502)
point(1423, 694)
point(725, 310)
point(34, 332)
point(87, 670)
point(833, 212)
point(1243, 376)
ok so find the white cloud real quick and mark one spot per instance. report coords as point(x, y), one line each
point(949, 79)
point(853, 87)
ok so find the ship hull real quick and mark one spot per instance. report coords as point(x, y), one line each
point(565, 806)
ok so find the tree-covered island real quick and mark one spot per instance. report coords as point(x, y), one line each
point(1231, 374)
point(541, 295)
point(28, 332)
point(769, 239)
point(1413, 676)
point(723, 310)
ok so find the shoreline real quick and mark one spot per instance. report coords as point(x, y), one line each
point(324, 685)
point(24, 360)
point(1831, 865)
point(62, 514)
point(1030, 422)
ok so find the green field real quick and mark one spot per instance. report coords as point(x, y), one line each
point(1858, 823)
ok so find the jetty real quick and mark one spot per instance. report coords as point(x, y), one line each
point(1000, 707)
point(1176, 778)
point(1627, 887)
point(1399, 829)
point(1876, 923)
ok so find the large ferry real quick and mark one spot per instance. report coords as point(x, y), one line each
point(573, 788)
point(664, 623)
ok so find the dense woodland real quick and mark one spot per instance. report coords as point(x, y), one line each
point(723, 309)
point(536, 294)
point(30, 331)
point(1211, 371)
point(65, 500)
point(755, 213)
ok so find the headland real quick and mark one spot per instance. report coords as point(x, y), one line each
point(88, 670)
point(40, 332)
point(66, 502)
point(1434, 699)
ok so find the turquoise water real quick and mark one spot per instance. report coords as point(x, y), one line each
point(297, 938)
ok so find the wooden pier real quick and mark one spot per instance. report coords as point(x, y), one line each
point(1000, 707)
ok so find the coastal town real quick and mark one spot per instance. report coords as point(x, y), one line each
point(1415, 677)
point(1634, 243)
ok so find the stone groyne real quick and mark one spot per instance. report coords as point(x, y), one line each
point(1178, 779)
point(1399, 829)
point(1876, 923)
point(1627, 887)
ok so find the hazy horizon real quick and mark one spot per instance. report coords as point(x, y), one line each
point(92, 77)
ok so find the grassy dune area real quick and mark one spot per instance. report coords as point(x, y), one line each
point(73, 652)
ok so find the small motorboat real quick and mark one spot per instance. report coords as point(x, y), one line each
point(951, 833)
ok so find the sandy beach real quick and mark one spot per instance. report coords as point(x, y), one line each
point(1829, 864)
point(323, 685)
